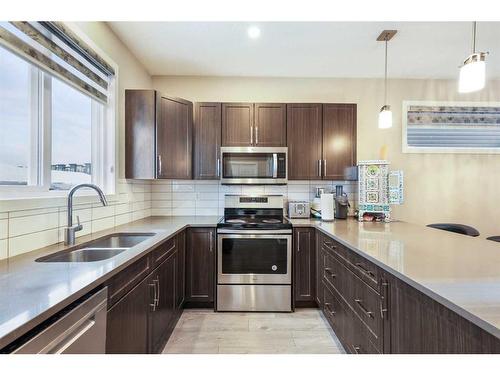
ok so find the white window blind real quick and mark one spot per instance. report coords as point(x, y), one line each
point(451, 127)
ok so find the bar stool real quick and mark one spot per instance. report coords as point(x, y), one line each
point(494, 238)
point(456, 228)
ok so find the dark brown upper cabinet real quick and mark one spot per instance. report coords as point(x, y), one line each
point(158, 136)
point(304, 141)
point(207, 140)
point(270, 125)
point(339, 140)
point(321, 141)
point(251, 125)
point(237, 124)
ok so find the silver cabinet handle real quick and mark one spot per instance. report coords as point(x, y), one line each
point(356, 349)
point(329, 309)
point(218, 167)
point(330, 273)
point(211, 241)
point(369, 314)
point(251, 134)
point(153, 305)
point(159, 165)
point(324, 167)
point(319, 168)
point(256, 135)
point(275, 165)
point(158, 297)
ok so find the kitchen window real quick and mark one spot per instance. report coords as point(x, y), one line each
point(54, 134)
point(451, 127)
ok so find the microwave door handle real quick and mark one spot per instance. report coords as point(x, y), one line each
point(275, 165)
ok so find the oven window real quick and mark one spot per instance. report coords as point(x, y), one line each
point(254, 255)
point(244, 165)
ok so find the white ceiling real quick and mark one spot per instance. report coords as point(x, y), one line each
point(308, 49)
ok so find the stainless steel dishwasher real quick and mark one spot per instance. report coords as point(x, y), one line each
point(79, 329)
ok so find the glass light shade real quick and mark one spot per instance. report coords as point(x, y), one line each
point(472, 76)
point(385, 117)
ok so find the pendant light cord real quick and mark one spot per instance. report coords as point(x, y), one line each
point(385, 74)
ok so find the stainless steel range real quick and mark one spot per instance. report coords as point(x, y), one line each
point(254, 255)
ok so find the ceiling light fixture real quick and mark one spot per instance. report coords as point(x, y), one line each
point(385, 114)
point(253, 32)
point(473, 71)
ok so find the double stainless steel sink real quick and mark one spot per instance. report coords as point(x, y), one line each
point(99, 249)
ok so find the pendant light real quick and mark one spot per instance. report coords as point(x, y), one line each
point(473, 71)
point(385, 115)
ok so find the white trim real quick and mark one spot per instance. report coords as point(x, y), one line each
point(441, 150)
point(104, 130)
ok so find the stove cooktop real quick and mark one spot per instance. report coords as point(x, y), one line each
point(252, 222)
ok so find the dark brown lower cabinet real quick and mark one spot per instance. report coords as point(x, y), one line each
point(200, 266)
point(127, 321)
point(372, 311)
point(304, 266)
point(142, 320)
point(162, 317)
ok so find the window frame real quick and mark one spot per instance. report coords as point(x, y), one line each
point(104, 130)
point(406, 149)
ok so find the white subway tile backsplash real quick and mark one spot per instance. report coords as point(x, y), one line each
point(28, 242)
point(161, 211)
point(161, 188)
point(183, 211)
point(3, 249)
point(206, 211)
point(4, 225)
point(207, 196)
point(183, 203)
point(182, 196)
point(29, 224)
point(26, 225)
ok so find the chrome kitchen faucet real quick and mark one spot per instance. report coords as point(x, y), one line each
point(70, 230)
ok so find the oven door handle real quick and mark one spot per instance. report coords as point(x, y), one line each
point(244, 232)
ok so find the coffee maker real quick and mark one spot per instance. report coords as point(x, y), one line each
point(341, 203)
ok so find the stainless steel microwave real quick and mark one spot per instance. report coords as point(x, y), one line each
point(254, 165)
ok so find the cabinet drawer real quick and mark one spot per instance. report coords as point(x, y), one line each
point(338, 314)
point(361, 341)
point(365, 270)
point(367, 304)
point(126, 280)
point(336, 275)
point(161, 253)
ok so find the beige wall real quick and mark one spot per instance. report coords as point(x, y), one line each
point(439, 187)
point(28, 224)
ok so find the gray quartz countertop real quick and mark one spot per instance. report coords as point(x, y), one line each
point(461, 272)
point(31, 292)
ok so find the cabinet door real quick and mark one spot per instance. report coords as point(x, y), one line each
point(162, 318)
point(270, 125)
point(303, 132)
point(200, 261)
point(140, 128)
point(181, 269)
point(174, 138)
point(237, 124)
point(305, 265)
point(319, 269)
point(207, 141)
point(127, 321)
point(339, 140)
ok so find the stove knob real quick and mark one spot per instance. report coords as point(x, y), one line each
point(274, 268)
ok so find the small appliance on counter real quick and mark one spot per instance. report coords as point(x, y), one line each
point(378, 189)
point(299, 209)
point(327, 210)
point(341, 203)
point(316, 203)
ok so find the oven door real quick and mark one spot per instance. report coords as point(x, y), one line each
point(254, 165)
point(254, 259)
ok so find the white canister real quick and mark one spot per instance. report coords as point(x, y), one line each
point(327, 207)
